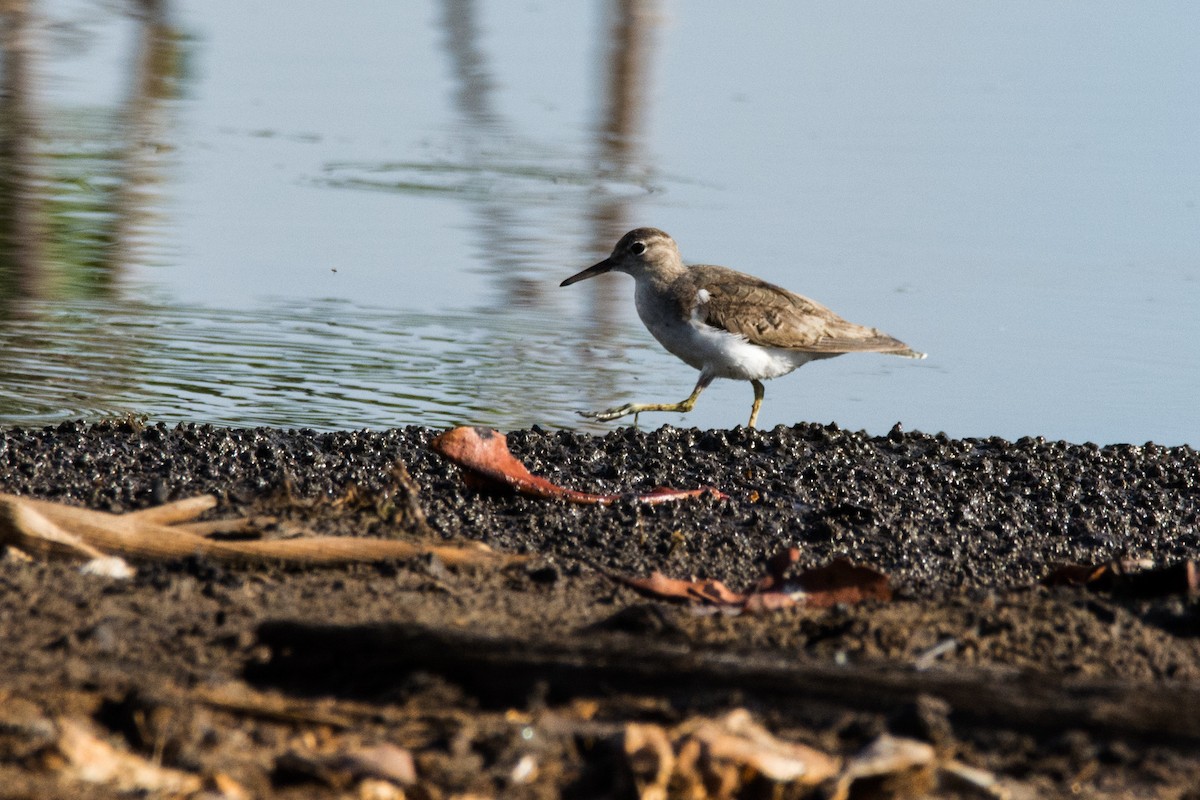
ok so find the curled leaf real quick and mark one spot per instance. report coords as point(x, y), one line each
point(487, 463)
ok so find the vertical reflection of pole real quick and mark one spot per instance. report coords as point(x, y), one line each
point(153, 67)
point(487, 140)
point(22, 266)
point(626, 76)
point(473, 97)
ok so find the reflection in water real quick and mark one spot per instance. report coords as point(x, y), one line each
point(76, 200)
point(473, 95)
point(81, 194)
point(143, 128)
point(489, 149)
point(619, 133)
point(627, 47)
point(619, 136)
point(78, 183)
point(512, 183)
point(21, 230)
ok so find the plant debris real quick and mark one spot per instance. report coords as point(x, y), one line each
point(719, 758)
point(56, 530)
point(1129, 578)
point(348, 766)
point(734, 756)
point(521, 682)
point(487, 464)
point(90, 759)
point(838, 582)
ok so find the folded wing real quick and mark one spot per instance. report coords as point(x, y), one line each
point(771, 316)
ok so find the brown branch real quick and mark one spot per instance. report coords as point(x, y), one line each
point(59, 530)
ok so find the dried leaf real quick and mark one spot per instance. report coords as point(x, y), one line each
point(820, 587)
point(92, 760)
point(1132, 578)
point(650, 758)
point(487, 463)
point(661, 587)
point(719, 758)
point(1075, 575)
point(385, 761)
point(891, 767)
point(840, 581)
point(777, 567)
point(738, 741)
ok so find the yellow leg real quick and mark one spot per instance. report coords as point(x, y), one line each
point(682, 406)
point(758, 397)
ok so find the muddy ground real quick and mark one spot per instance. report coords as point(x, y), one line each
point(521, 680)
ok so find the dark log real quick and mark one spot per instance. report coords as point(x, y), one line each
point(369, 661)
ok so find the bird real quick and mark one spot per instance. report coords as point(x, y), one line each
point(725, 323)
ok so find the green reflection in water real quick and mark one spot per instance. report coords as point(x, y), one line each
point(79, 185)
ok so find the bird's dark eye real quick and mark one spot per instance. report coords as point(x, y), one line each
point(637, 248)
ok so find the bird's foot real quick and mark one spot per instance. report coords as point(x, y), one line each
point(612, 413)
point(637, 408)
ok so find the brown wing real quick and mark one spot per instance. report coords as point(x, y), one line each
point(772, 316)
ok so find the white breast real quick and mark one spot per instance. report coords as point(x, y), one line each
point(715, 352)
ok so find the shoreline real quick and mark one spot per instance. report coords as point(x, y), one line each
point(972, 654)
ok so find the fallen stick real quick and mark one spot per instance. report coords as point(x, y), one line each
point(216, 527)
point(56, 529)
point(175, 511)
point(29, 531)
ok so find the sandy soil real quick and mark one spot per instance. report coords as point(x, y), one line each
point(522, 680)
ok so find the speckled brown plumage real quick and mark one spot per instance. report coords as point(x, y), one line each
point(725, 323)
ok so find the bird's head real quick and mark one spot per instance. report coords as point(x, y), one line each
point(641, 252)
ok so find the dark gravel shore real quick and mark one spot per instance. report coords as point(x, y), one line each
point(936, 513)
point(965, 529)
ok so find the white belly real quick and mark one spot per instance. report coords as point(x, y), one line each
point(715, 352)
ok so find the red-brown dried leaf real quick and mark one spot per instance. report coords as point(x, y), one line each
point(838, 582)
point(487, 463)
point(820, 587)
point(1076, 575)
point(660, 587)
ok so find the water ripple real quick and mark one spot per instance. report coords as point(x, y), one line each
point(324, 365)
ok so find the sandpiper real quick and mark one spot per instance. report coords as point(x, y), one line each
point(725, 323)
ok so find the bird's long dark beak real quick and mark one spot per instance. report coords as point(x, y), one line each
point(591, 272)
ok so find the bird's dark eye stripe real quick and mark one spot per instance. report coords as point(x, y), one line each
point(637, 248)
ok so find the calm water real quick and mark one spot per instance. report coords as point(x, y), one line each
point(357, 215)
